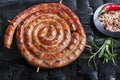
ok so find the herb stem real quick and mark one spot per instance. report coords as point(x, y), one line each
point(105, 52)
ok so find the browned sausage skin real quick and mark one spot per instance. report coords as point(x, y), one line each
point(48, 35)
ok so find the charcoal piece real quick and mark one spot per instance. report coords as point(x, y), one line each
point(42, 75)
point(112, 1)
point(83, 4)
point(117, 68)
point(84, 11)
point(118, 72)
point(85, 70)
point(89, 71)
point(72, 4)
point(17, 71)
point(6, 72)
point(29, 3)
point(88, 30)
point(117, 51)
point(84, 16)
point(89, 33)
point(107, 71)
point(94, 75)
point(71, 71)
point(8, 54)
point(7, 1)
point(6, 75)
point(95, 4)
point(10, 12)
point(0, 33)
point(56, 75)
point(26, 74)
point(4, 3)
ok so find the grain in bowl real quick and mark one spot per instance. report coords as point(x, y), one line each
point(111, 20)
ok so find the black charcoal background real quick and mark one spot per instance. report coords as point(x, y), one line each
point(14, 67)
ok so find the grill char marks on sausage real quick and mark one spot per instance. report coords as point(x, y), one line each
point(48, 35)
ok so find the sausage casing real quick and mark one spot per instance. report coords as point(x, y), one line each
point(48, 35)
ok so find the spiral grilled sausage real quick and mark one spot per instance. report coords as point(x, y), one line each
point(48, 35)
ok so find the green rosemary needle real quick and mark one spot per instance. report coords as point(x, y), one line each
point(105, 52)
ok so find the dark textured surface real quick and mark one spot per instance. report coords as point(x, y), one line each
point(14, 67)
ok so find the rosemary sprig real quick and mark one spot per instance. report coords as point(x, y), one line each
point(105, 52)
